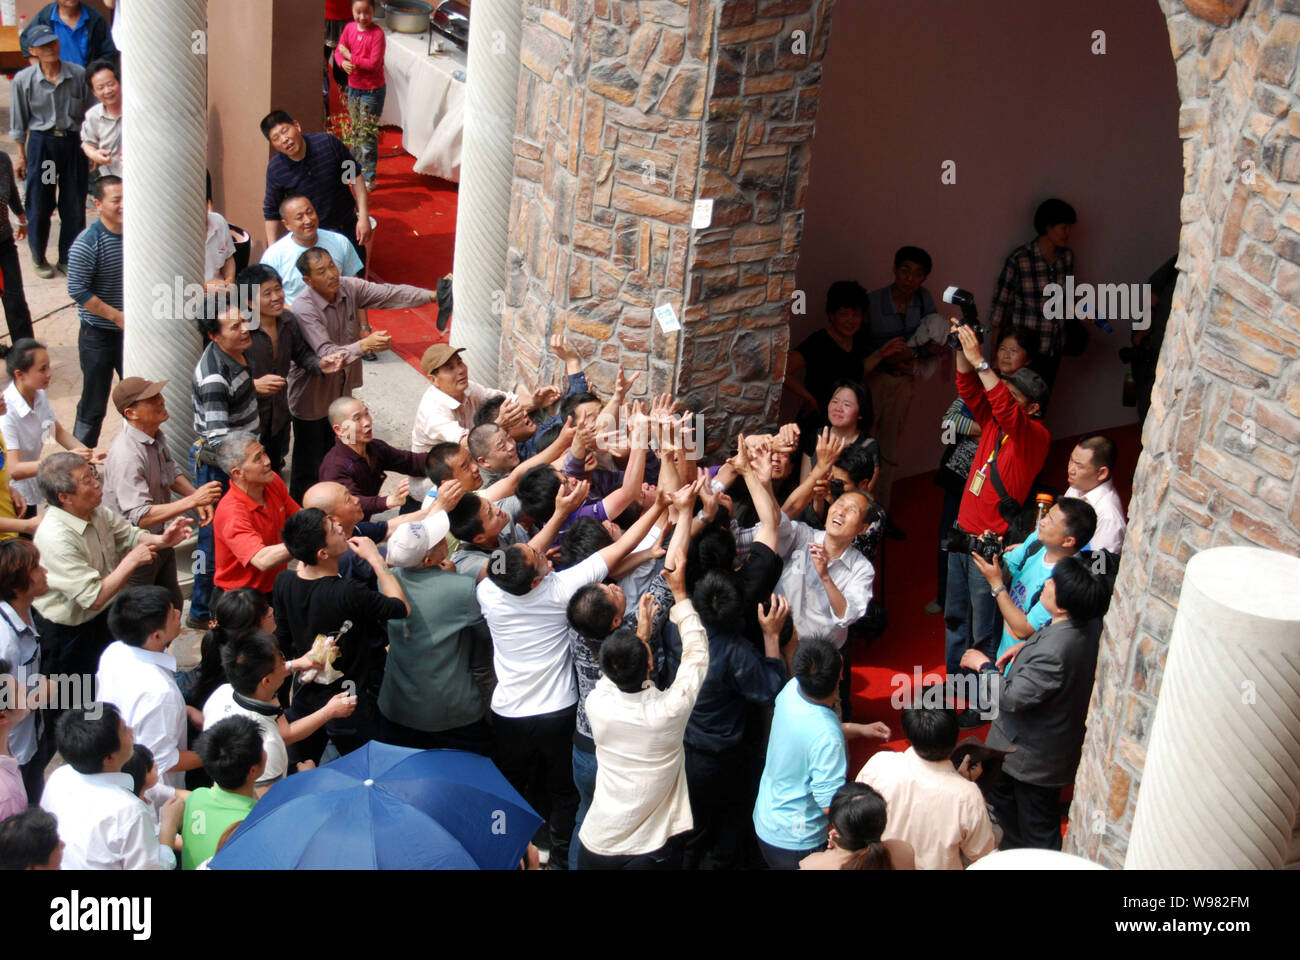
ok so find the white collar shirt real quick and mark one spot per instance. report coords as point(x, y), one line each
point(142, 685)
point(20, 644)
point(1111, 522)
point(102, 824)
point(26, 429)
point(442, 419)
point(810, 607)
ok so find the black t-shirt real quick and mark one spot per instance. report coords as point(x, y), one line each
point(305, 608)
point(758, 575)
point(825, 362)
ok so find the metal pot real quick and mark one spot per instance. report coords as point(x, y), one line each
point(408, 16)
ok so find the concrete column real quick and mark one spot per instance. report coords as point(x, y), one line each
point(1222, 776)
point(487, 174)
point(164, 91)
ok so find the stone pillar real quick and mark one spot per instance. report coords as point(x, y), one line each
point(1222, 777)
point(164, 91)
point(629, 113)
point(483, 207)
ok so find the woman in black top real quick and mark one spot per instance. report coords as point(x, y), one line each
point(18, 316)
point(848, 413)
point(836, 352)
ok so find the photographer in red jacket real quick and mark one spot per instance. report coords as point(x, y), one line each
point(1013, 447)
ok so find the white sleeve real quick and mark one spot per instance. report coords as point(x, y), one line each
point(154, 725)
point(591, 570)
point(138, 842)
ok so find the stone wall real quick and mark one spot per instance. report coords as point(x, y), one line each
point(1223, 436)
point(629, 112)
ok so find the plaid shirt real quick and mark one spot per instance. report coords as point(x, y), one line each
point(1018, 299)
point(225, 400)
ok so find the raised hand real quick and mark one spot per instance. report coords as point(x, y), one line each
point(829, 447)
point(545, 396)
point(398, 496)
point(646, 609)
point(817, 554)
point(333, 363)
point(561, 348)
point(778, 610)
point(787, 438)
point(449, 494)
point(566, 501)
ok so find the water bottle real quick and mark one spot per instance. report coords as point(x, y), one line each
point(1045, 501)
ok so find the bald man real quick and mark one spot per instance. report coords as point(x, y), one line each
point(359, 462)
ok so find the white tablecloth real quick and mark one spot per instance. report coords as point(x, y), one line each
point(426, 101)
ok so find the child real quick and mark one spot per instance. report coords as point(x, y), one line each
point(256, 669)
point(28, 420)
point(233, 757)
point(30, 841)
point(143, 771)
point(361, 55)
point(13, 794)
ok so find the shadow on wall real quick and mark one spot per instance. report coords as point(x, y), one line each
point(1024, 109)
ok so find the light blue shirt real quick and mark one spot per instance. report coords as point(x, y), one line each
point(806, 763)
point(21, 646)
point(1027, 579)
point(283, 256)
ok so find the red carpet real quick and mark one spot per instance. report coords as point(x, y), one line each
point(913, 639)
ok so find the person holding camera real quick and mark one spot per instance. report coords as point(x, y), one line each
point(1013, 447)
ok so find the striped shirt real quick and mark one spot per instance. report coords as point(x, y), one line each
point(1018, 299)
point(224, 398)
point(322, 176)
point(95, 270)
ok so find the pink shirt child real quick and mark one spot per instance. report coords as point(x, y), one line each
point(367, 56)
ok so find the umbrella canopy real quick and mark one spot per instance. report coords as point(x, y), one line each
point(386, 808)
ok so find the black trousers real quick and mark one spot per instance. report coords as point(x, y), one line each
point(17, 315)
point(667, 857)
point(475, 737)
point(58, 174)
point(543, 742)
point(73, 650)
point(719, 789)
point(348, 733)
point(1029, 815)
point(276, 446)
point(100, 352)
point(312, 439)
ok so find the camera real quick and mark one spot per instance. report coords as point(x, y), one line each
point(969, 315)
point(987, 546)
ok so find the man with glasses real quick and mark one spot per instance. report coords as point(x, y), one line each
point(225, 402)
point(90, 553)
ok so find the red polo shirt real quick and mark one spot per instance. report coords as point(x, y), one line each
point(242, 527)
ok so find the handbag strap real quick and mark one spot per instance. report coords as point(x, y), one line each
point(1008, 502)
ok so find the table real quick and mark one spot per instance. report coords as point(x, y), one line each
point(426, 101)
point(11, 54)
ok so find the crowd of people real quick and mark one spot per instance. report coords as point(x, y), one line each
point(654, 651)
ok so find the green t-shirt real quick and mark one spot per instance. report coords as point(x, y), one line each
point(208, 812)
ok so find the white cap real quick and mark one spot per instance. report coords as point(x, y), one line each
point(411, 543)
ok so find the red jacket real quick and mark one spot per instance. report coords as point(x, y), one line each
point(1019, 460)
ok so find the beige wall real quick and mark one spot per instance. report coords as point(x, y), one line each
point(1027, 112)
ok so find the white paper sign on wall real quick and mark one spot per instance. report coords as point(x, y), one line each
point(667, 318)
point(703, 213)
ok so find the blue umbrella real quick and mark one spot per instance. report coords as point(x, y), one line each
point(386, 808)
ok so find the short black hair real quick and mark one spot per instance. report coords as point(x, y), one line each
point(866, 412)
point(582, 539)
point(487, 413)
point(273, 120)
point(714, 548)
point(95, 66)
point(480, 439)
point(463, 518)
point(573, 401)
point(592, 613)
point(237, 612)
point(250, 279)
point(514, 575)
point(103, 183)
point(229, 750)
point(719, 600)
point(1050, 213)
point(215, 305)
point(22, 355)
point(85, 743)
point(1029, 341)
point(537, 490)
point(817, 666)
point(309, 257)
point(436, 467)
point(932, 731)
point(138, 612)
point(846, 294)
point(247, 658)
point(1080, 592)
point(916, 255)
point(138, 767)
point(1104, 451)
point(289, 198)
point(548, 436)
point(858, 462)
point(1080, 519)
point(623, 659)
point(304, 535)
point(28, 839)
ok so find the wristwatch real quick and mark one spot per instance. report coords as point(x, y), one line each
point(984, 365)
point(1001, 589)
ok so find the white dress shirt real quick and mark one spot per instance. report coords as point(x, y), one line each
point(810, 607)
point(26, 428)
point(142, 685)
point(218, 246)
point(102, 824)
point(440, 419)
point(785, 537)
point(1111, 522)
point(222, 704)
point(641, 798)
point(530, 641)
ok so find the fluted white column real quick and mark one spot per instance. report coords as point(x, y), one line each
point(1222, 778)
point(486, 174)
point(164, 153)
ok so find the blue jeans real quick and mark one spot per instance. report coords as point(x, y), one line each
point(584, 778)
point(371, 102)
point(205, 557)
point(970, 614)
